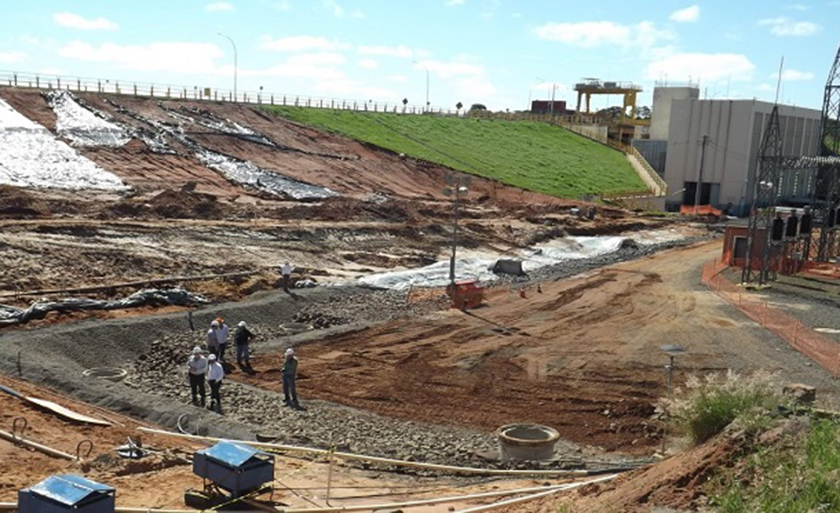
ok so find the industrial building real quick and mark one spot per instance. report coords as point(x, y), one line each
point(725, 135)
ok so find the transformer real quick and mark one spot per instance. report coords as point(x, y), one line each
point(66, 492)
point(236, 468)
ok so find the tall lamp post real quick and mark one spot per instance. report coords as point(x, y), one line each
point(427, 83)
point(459, 185)
point(234, 63)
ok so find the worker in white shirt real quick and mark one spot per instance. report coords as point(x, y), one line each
point(215, 375)
point(197, 365)
point(287, 276)
point(222, 334)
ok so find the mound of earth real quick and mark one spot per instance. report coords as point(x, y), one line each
point(186, 205)
point(17, 203)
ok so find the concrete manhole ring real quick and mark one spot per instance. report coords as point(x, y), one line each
point(293, 328)
point(527, 442)
point(110, 373)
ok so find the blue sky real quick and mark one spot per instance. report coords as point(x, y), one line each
point(496, 52)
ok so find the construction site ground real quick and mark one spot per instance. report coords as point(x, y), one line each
point(568, 356)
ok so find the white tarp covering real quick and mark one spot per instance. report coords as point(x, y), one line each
point(472, 265)
point(82, 126)
point(31, 156)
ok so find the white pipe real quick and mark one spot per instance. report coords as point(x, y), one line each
point(376, 459)
point(527, 498)
point(425, 502)
point(34, 445)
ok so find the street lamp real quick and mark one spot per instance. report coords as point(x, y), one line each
point(459, 185)
point(427, 82)
point(672, 351)
point(234, 63)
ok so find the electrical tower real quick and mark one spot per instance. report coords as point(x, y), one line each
point(826, 197)
point(765, 193)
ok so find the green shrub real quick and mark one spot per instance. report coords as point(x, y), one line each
point(711, 404)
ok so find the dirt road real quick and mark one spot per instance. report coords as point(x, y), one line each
point(582, 356)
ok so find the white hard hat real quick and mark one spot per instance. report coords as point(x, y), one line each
point(212, 357)
point(214, 323)
point(196, 350)
point(290, 351)
point(241, 324)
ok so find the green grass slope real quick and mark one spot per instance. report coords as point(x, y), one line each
point(529, 155)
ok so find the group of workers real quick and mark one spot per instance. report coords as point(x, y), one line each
point(212, 367)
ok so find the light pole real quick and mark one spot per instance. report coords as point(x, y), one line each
point(459, 186)
point(234, 63)
point(427, 83)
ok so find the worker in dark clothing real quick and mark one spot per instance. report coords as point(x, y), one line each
point(289, 372)
point(242, 338)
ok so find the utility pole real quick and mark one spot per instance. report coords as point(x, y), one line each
point(704, 141)
point(553, 90)
point(459, 186)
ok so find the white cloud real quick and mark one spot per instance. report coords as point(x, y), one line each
point(12, 57)
point(359, 15)
point(67, 19)
point(400, 51)
point(316, 59)
point(300, 44)
point(334, 8)
point(219, 6)
point(792, 75)
point(799, 7)
point(708, 67)
point(688, 14)
point(180, 57)
point(783, 26)
point(368, 64)
point(453, 3)
point(591, 34)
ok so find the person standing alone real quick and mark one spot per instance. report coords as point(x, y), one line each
point(289, 371)
point(197, 365)
point(215, 375)
point(287, 276)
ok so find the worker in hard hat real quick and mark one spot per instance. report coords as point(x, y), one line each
point(215, 375)
point(213, 338)
point(286, 270)
point(223, 333)
point(289, 371)
point(242, 338)
point(197, 368)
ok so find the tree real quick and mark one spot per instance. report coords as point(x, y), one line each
point(643, 112)
point(478, 107)
point(459, 106)
point(404, 102)
point(610, 113)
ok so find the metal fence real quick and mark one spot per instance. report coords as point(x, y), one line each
point(822, 350)
point(197, 93)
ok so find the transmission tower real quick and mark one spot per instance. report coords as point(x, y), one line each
point(765, 193)
point(827, 185)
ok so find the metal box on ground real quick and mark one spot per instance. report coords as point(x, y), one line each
point(236, 468)
point(66, 492)
point(467, 294)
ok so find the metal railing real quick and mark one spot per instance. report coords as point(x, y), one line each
point(197, 93)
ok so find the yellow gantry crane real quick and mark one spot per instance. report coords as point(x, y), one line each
point(591, 86)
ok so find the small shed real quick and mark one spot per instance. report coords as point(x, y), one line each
point(234, 467)
point(67, 492)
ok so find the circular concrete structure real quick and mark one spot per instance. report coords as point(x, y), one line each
point(527, 442)
point(110, 373)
